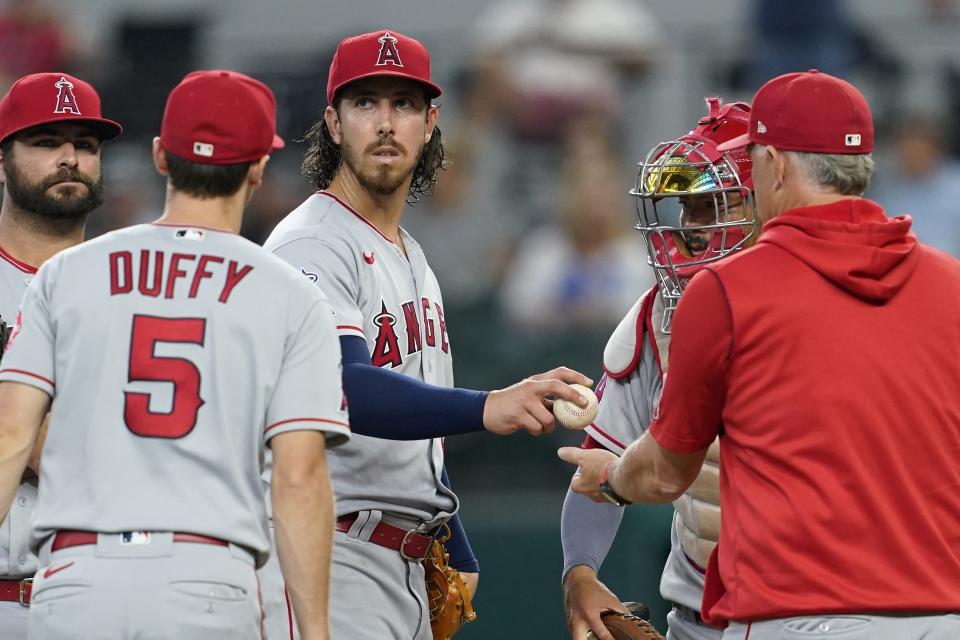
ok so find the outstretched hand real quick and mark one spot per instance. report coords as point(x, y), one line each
point(591, 463)
point(527, 404)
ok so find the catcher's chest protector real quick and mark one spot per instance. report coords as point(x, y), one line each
point(698, 510)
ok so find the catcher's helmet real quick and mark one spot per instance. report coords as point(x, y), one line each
point(694, 203)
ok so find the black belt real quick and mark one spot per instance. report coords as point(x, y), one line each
point(687, 612)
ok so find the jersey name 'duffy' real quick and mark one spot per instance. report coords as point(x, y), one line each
point(157, 274)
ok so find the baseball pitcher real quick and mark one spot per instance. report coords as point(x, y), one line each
point(377, 145)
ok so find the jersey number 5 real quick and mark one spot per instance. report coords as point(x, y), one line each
point(145, 365)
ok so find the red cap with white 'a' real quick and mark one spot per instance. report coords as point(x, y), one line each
point(380, 53)
point(44, 98)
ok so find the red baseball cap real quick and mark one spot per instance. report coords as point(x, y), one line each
point(42, 98)
point(220, 117)
point(380, 53)
point(810, 111)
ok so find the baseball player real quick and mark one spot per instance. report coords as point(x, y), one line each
point(694, 207)
point(172, 353)
point(376, 146)
point(51, 130)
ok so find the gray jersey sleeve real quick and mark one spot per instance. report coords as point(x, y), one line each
point(334, 271)
point(29, 358)
point(587, 531)
point(312, 353)
point(627, 405)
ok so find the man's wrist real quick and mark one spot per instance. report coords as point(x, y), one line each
point(581, 571)
point(607, 489)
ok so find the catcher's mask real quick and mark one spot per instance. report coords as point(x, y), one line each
point(695, 204)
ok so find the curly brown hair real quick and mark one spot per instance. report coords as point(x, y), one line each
point(323, 158)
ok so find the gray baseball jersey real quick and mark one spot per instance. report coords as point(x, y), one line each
point(173, 354)
point(392, 301)
point(630, 396)
point(16, 558)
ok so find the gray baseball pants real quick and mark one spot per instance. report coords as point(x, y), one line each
point(374, 595)
point(849, 627)
point(684, 623)
point(145, 590)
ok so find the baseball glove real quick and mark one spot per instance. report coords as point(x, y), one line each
point(450, 601)
point(633, 626)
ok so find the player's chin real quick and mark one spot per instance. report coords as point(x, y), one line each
point(386, 179)
point(72, 207)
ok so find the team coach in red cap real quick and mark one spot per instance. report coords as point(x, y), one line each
point(828, 360)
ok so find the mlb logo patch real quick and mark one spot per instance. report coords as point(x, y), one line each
point(190, 234)
point(852, 140)
point(204, 149)
point(135, 537)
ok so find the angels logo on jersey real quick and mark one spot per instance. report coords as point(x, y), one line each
point(385, 349)
point(424, 323)
point(66, 101)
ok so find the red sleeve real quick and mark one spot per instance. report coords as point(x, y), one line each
point(690, 413)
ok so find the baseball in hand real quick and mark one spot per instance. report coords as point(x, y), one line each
point(573, 416)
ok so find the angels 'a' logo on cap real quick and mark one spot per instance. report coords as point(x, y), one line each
point(66, 101)
point(761, 128)
point(388, 51)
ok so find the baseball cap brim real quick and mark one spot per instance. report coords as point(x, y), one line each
point(433, 90)
point(106, 129)
point(734, 143)
point(278, 142)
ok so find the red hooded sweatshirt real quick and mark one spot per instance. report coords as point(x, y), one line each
point(828, 358)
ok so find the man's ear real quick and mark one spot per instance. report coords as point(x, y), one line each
point(332, 118)
point(433, 115)
point(779, 163)
point(160, 158)
point(257, 169)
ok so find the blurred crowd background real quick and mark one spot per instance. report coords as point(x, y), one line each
point(548, 105)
